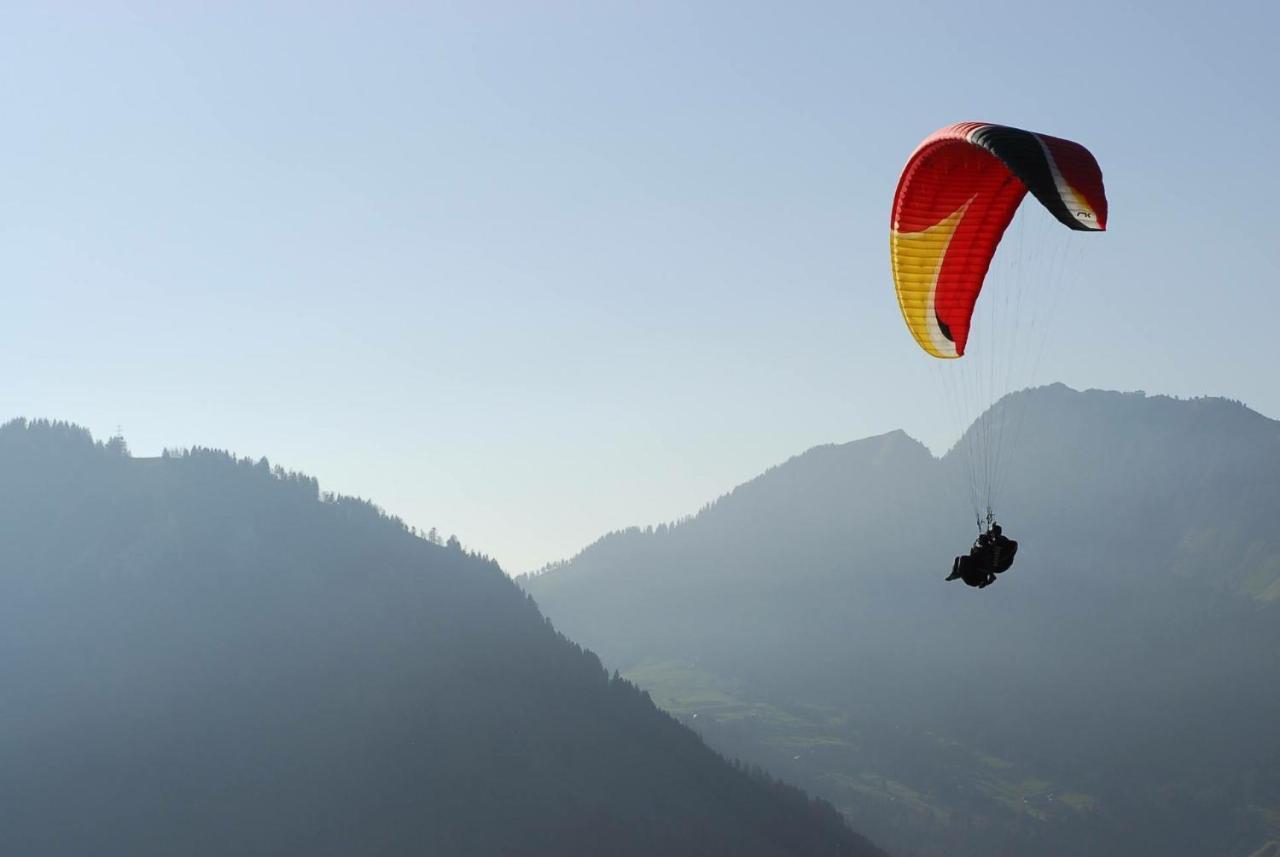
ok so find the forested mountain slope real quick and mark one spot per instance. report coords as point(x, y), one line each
point(203, 655)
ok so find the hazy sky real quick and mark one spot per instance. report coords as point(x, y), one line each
point(533, 271)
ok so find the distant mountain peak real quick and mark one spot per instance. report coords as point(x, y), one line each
point(1128, 657)
point(896, 442)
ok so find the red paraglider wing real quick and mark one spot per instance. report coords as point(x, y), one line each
point(956, 196)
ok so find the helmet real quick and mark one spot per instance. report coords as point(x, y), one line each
point(995, 529)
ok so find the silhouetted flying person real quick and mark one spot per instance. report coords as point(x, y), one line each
point(990, 555)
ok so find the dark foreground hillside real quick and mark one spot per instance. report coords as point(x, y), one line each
point(1116, 693)
point(202, 656)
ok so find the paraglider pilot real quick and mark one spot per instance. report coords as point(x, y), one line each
point(990, 555)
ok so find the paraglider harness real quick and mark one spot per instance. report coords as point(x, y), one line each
point(992, 554)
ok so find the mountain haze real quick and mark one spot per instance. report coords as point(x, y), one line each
point(1115, 693)
point(205, 655)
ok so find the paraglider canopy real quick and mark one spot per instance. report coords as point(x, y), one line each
point(956, 196)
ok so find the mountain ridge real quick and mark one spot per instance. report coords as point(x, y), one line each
point(833, 459)
point(208, 655)
point(1148, 570)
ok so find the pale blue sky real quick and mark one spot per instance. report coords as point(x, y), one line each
point(533, 271)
